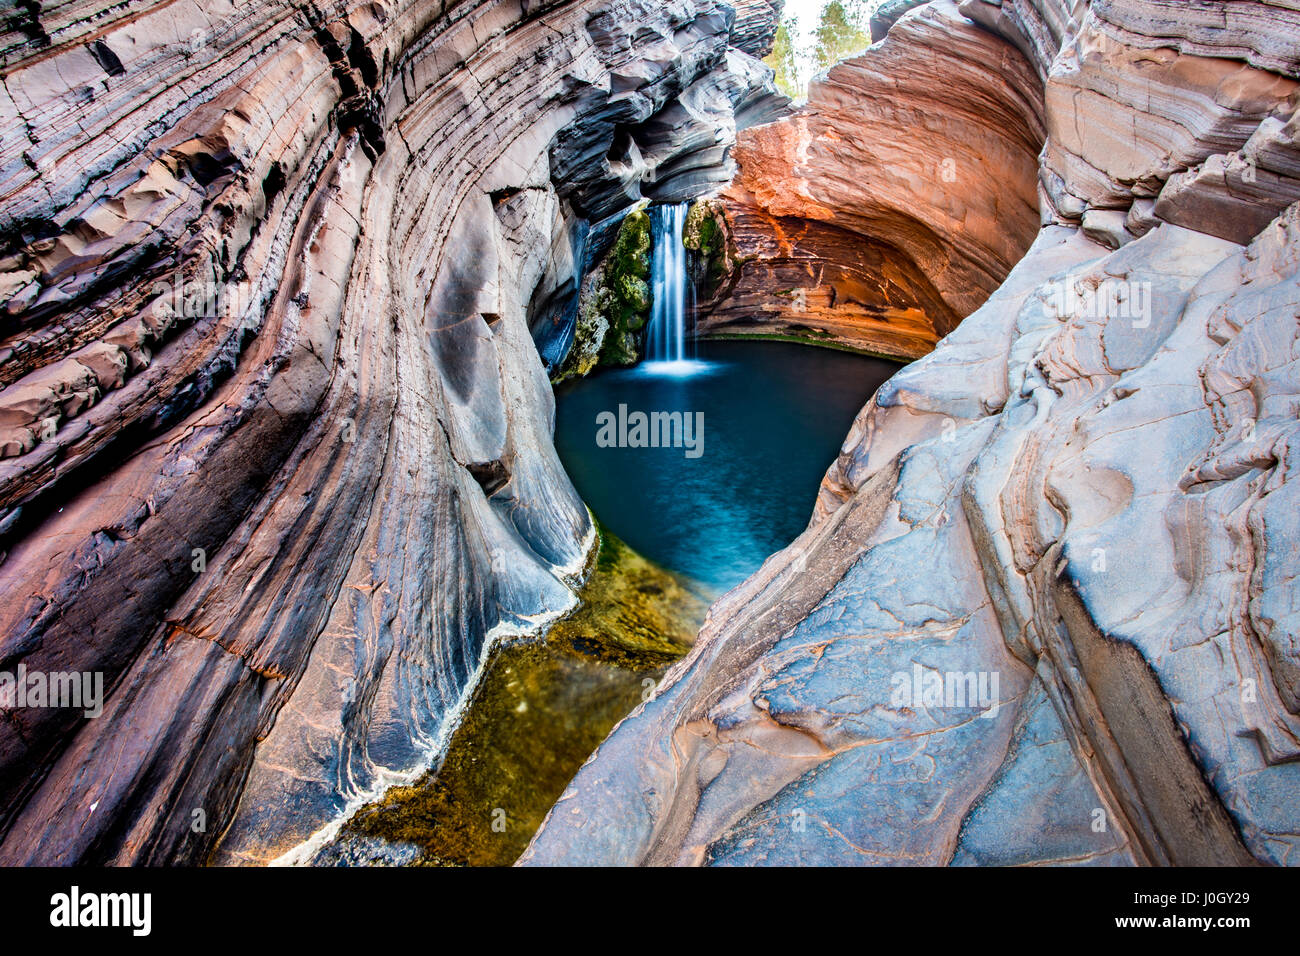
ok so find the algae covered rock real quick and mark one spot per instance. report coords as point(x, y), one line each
point(705, 235)
point(540, 710)
point(614, 304)
point(625, 298)
point(589, 330)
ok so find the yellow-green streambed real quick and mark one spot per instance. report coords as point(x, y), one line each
point(540, 710)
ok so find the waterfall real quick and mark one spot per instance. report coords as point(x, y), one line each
point(666, 333)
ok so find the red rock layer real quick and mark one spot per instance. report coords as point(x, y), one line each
point(889, 207)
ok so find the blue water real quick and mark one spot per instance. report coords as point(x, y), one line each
point(775, 415)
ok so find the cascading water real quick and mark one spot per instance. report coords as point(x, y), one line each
point(666, 341)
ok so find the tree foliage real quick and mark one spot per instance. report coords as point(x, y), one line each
point(844, 29)
point(782, 59)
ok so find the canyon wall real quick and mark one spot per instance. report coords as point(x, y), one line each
point(870, 217)
point(1045, 609)
point(276, 441)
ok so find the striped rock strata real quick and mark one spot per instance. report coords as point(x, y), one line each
point(276, 441)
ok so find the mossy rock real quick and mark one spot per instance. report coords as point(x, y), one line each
point(591, 327)
point(614, 304)
point(542, 707)
point(705, 235)
point(627, 282)
point(620, 349)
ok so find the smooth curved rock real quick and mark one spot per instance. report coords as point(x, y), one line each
point(278, 460)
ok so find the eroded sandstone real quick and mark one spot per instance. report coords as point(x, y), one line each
point(277, 440)
point(888, 207)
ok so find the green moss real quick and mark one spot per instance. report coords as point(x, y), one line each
point(589, 332)
point(540, 710)
point(705, 234)
point(614, 303)
point(626, 303)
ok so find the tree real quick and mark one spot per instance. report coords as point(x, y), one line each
point(844, 29)
point(782, 59)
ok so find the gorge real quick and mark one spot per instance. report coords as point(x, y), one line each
point(309, 307)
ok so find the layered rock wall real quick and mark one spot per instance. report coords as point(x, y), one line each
point(277, 442)
point(888, 207)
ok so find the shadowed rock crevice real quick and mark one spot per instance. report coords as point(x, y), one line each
point(1172, 814)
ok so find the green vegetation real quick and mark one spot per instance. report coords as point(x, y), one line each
point(844, 29)
point(625, 294)
point(540, 710)
point(705, 234)
point(614, 303)
point(782, 59)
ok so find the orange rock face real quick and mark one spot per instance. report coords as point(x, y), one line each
point(888, 208)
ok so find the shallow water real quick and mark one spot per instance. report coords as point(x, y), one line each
point(774, 417)
point(542, 707)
